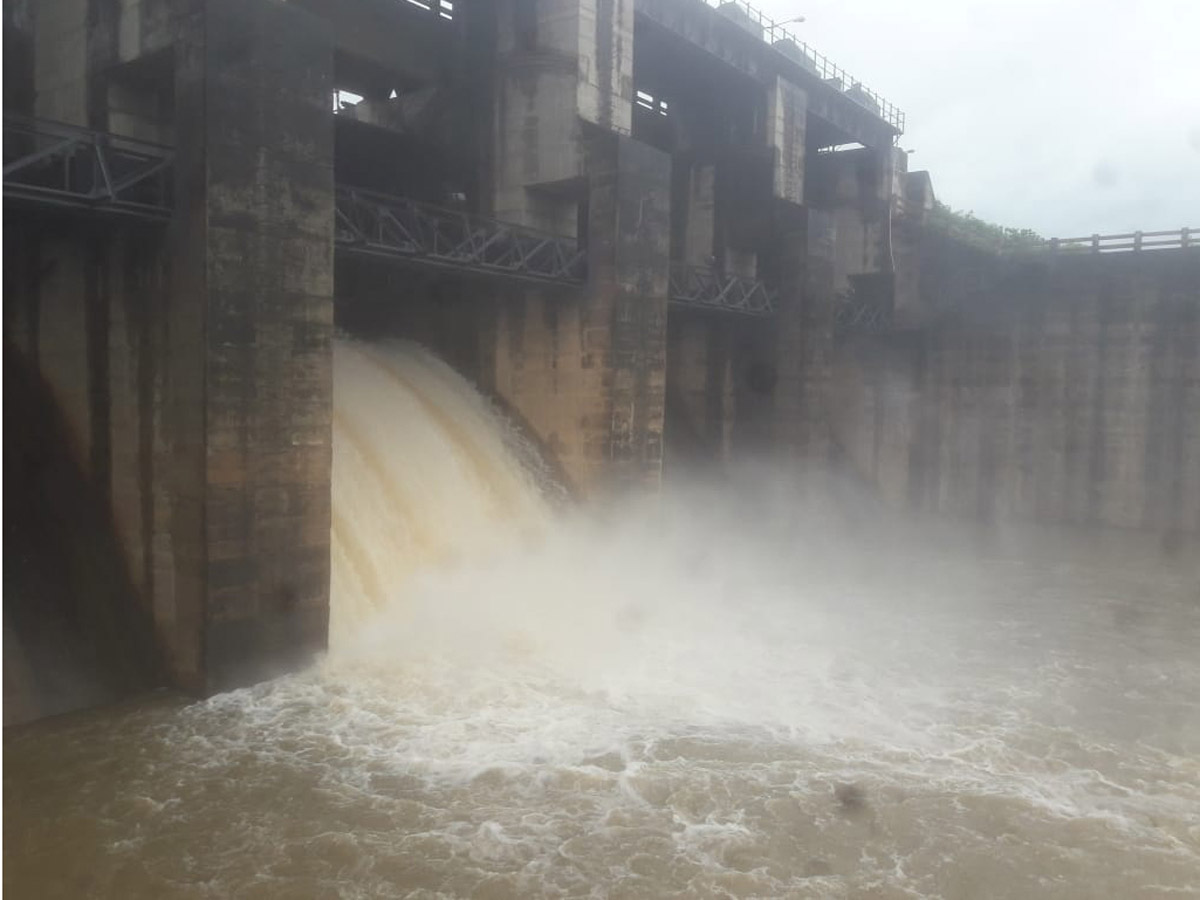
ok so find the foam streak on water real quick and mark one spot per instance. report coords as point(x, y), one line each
point(747, 692)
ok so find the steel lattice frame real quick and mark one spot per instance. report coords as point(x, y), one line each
point(55, 164)
point(408, 231)
point(867, 318)
point(706, 288)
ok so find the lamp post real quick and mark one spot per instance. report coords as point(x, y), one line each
point(795, 20)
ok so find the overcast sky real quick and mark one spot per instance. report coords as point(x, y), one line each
point(1065, 116)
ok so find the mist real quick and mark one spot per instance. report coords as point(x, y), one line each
point(758, 684)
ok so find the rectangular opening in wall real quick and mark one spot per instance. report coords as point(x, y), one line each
point(141, 98)
point(443, 9)
point(650, 113)
point(840, 148)
point(399, 135)
point(650, 103)
point(363, 89)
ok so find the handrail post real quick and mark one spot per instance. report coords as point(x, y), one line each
point(1095, 243)
point(1137, 241)
point(1185, 236)
point(1053, 245)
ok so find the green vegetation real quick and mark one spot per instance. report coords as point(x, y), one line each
point(987, 236)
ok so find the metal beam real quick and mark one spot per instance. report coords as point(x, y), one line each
point(416, 233)
point(858, 317)
point(55, 164)
point(704, 288)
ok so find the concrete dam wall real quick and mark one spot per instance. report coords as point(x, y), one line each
point(637, 227)
point(1061, 389)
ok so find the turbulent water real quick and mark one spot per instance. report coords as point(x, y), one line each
point(752, 690)
point(424, 471)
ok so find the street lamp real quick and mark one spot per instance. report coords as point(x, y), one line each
point(795, 20)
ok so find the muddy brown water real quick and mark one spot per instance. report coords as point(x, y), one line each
point(702, 699)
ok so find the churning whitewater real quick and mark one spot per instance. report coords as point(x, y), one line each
point(753, 690)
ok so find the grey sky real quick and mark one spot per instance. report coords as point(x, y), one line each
point(1065, 116)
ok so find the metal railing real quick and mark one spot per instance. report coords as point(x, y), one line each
point(852, 316)
point(705, 288)
point(419, 233)
point(785, 41)
point(56, 164)
point(1131, 241)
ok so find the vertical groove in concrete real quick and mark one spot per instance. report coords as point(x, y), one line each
point(97, 323)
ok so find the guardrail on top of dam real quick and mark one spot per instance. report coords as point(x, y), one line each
point(784, 40)
point(1128, 242)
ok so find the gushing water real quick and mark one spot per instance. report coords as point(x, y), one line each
point(423, 470)
point(756, 690)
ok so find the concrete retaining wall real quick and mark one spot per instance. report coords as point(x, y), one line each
point(1060, 389)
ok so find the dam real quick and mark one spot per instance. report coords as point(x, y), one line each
point(557, 448)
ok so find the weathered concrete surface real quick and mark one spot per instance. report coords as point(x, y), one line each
point(710, 362)
point(909, 228)
point(803, 337)
point(733, 46)
point(75, 630)
point(787, 116)
point(1061, 389)
point(78, 616)
point(269, 307)
point(191, 367)
point(863, 189)
point(588, 373)
point(561, 65)
point(19, 37)
point(693, 211)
